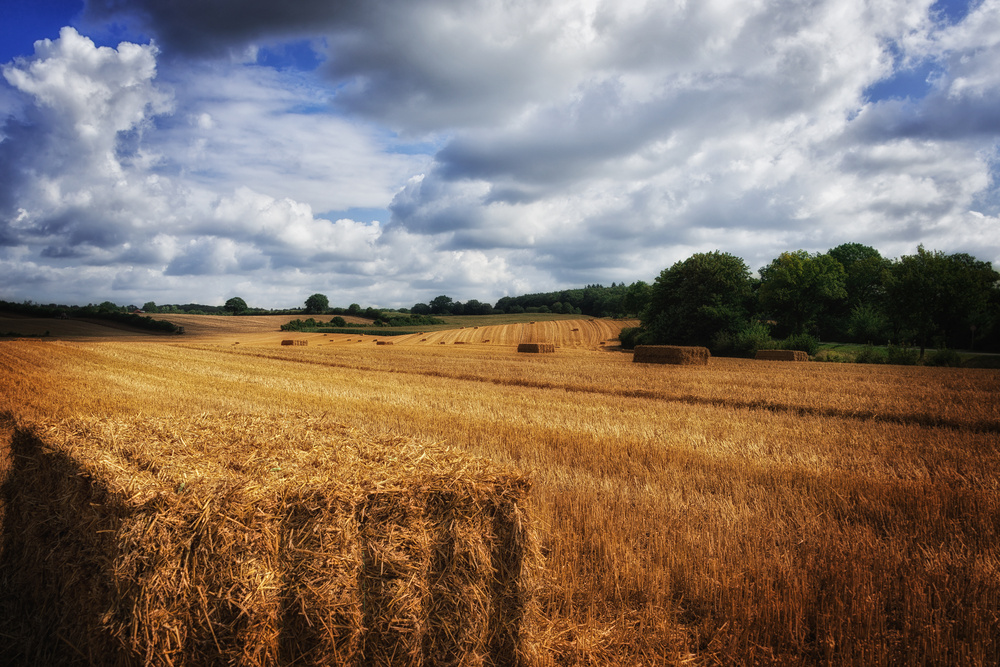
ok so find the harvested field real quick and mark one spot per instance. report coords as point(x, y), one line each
point(782, 355)
point(671, 354)
point(735, 513)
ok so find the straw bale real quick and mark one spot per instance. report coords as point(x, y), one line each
point(255, 541)
point(383, 342)
point(536, 347)
point(671, 354)
point(782, 355)
point(294, 342)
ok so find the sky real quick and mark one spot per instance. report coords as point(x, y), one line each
point(384, 152)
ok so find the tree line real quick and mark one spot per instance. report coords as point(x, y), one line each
point(848, 294)
point(106, 310)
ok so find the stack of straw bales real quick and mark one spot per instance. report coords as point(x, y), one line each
point(782, 355)
point(671, 354)
point(536, 347)
point(294, 342)
point(256, 541)
point(383, 342)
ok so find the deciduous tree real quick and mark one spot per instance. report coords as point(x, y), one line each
point(797, 287)
point(317, 304)
point(694, 300)
point(236, 306)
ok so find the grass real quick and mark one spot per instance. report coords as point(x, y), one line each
point(739, 513)
point(848, 352)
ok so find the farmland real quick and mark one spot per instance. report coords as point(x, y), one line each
point(743, 512)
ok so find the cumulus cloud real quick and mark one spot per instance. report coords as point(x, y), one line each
point(510, 146)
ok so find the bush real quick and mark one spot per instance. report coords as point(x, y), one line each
point(902, 356)
point(870, 354)
point(804, 342)
point(743, 343)
point(832, 356)
point(338, 321)
point(944, 357)
point(629, 337)
point(299, 325)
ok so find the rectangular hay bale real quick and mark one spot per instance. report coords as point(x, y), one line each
point(126, 548)
point(536, 347)
point(782, 355)
point(294, 342)
point(671, 354)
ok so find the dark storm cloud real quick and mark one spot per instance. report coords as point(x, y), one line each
point(212, 27)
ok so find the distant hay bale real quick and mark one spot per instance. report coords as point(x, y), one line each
point(536, 347)
point(671, 354)
point(782, 355)
point(383, 342)
point(459, 342)
point(294, 342)
point(140, 541)
point(443, 343)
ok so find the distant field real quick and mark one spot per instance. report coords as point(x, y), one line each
point(741, 513)
point(266, 330)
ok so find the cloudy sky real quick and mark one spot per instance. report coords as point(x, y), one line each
point(387, 151)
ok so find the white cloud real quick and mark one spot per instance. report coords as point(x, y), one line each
point(513, 146)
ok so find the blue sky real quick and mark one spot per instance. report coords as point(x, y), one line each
point(385, 153)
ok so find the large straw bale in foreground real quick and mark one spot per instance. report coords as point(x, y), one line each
point(249, 541)
point(782, 355)
point(536, 347)
point(671, 354)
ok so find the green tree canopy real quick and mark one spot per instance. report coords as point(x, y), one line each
point(935, 295)
point(694, 300)
point(797, 287)
point(236, 306)
point(441, 305)
point(863, 268)
point(636, 298)
point(317, 304)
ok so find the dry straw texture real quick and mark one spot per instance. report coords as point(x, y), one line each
point(740, 513)
point(536, 347)
point(671, 354)
point(782, 355)
point(152, 542)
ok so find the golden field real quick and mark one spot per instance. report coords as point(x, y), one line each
point(745, 512)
